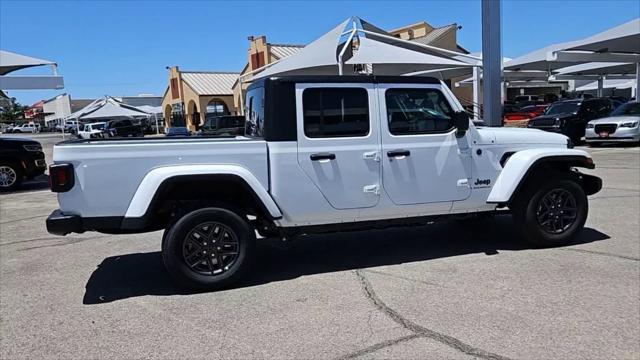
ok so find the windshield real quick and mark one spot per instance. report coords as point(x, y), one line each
point(562, 108)
point(631, 108)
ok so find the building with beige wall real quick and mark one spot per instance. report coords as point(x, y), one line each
point(259, 54)
point(193, 95)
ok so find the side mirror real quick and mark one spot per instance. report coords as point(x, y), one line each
point(461, 122)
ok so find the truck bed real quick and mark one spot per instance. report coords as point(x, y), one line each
point(108, 171)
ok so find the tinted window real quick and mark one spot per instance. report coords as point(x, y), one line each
point(335, 112)
point(631, 108)
point(562, 108)
point(417, 111)
point(254, 112)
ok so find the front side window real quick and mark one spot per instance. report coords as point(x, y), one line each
point(335, 112)
point(254, 112)
point(418, 111)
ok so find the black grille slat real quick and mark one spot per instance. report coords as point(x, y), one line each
point(608, 128)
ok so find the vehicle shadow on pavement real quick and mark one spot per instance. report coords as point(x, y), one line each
point(140, 274)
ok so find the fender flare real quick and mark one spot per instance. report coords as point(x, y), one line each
point(520, 164)
point(152, 182)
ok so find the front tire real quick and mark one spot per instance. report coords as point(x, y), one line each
point(209, 248)
point(11, 176)
point(553, 213)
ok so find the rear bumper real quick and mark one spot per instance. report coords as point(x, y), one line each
point(59, 223)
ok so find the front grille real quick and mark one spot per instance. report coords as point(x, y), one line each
point(606, 128)
point(543, 122)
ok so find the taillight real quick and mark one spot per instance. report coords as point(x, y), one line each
point(61, 177)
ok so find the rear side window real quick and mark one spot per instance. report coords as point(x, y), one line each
point(335, 112)
point(418, 111)
point(254, 112)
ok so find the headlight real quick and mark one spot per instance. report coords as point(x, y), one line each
point(629, 124)
point(590, 126)
point(32, 147)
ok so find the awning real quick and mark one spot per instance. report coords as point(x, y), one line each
point(394, 60)
point(107, 108)
point(11, 62)
point(320, 55)
point(365, 45)
point(608, 84)
point(624, 38)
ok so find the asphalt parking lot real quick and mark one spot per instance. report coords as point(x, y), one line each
point(449, 290)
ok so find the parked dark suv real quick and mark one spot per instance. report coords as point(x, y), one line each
point(570, 117)
point(223, 125)
point(123, 128)
point(19, 159)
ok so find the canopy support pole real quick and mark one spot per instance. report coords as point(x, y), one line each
point(492, 62)
point(476, 93)
point(344, 49)
point(599, 93)
point(637, 81)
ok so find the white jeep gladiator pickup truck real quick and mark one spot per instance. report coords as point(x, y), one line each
point(319, 154)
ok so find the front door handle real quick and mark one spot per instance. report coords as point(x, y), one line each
point(322, 156)
point(398, 153)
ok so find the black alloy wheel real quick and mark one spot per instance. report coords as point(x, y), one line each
point(211, 248)
point(557, 211)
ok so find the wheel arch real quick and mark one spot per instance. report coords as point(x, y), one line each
point(204, 184)
point(522, 166)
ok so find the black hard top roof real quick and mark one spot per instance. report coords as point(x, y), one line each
point(370, 79)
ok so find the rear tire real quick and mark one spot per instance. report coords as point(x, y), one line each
point(553, 213)
point(209, 248)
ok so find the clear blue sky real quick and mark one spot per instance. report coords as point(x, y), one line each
point(122, 47)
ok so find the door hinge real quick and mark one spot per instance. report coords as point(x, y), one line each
point(372, 189)
point(463, 182)
point(373, 155)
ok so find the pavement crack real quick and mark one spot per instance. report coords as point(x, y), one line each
point(418, 330)
point(602, 253)
point(379, 346)
point(402, 277)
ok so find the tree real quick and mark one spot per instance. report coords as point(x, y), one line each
point(13, 111)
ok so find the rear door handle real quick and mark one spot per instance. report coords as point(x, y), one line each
point(398, 153)
point(322, 156)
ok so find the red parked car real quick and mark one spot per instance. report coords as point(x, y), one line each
point(521, 117)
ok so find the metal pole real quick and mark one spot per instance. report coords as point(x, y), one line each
point(344, 48)
point(599, 93)
point(637, 80)
point(476, 93)
point(155, 116)
point(491, 62)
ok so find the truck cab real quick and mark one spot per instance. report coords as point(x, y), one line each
point(321, 154)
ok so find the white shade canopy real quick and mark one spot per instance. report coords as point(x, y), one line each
point(608, 84)
point(390, 59)
point(598, 68)
point(624, 38)
point(107, 108)
point(537, 60)
point(319, 55)
point(11, 62)
point(357, 42)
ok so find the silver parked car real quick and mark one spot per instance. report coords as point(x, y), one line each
point(620, 126)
